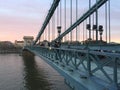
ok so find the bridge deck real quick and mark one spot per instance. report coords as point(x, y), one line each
point(79, 78)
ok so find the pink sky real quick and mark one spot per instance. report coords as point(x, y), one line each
point(20, 18)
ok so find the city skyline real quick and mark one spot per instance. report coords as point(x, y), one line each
point(25, 18)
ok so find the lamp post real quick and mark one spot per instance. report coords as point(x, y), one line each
point(94, 28)
point(59, 30)
point(100, 31)
point(89, 28)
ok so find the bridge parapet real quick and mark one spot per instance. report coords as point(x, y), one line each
point(84, 65)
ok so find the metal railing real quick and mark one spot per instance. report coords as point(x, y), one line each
point(102, 65)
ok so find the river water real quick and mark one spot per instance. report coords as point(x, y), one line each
point(28, 73)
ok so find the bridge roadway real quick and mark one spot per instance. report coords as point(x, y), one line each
point(83, 69)
point(115, 48)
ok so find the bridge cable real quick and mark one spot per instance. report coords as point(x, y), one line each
point(76, 19)
point(82, 18)
point(109, 21)
point(90, 20)
point(53, 27)
point(58, 16)
point(96, 21)
point(83, 30)
point(65, 18)
point(61, 16)
point(61, 13)
point(86, 29)
point(79, 32)
point(71, 20)
point(42, 37)
point(44, 33)
point(49, 31)
point(106, 19)
point(93, 24)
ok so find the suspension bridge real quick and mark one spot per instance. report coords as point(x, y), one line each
point(71, 40)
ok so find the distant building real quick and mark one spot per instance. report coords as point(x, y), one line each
point(19, 43)
point(28, 40)
point(6, 44)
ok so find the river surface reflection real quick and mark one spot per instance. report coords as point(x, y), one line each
point(28, 72)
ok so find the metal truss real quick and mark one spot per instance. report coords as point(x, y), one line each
point(103, 65)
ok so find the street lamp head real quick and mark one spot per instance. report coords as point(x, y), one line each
point(88, 26)
point(59, 29)
point(101, 29)
point(94, 27)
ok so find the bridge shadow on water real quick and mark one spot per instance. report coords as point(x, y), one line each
point(33, 76)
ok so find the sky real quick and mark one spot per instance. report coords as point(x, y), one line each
point(20, 18)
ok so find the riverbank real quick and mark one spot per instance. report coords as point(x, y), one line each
point(5, 51)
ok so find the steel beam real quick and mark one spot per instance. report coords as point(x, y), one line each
point(83, 69)
point(48, 17)
point(82, 18)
